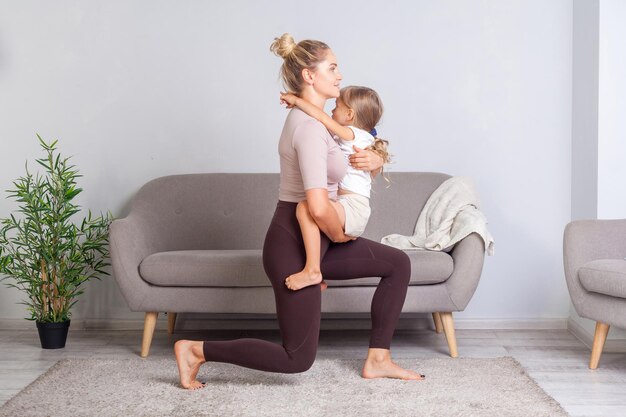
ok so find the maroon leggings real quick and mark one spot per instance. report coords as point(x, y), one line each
point(299, 312)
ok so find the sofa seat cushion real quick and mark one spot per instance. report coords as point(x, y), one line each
point(244, 268)
point(205, 268)
point(604, 276)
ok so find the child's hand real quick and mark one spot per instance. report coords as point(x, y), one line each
point(288, 99)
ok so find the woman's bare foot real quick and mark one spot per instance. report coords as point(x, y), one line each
point(302, 279)
point(379, 365)
point(323, 285)
point(189, 357)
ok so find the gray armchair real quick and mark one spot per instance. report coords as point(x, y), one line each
point(595, 270)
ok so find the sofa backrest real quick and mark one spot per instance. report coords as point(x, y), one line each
point(233, 211)
point(397, 204)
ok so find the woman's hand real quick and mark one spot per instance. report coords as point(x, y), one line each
point(288, 99)
point(365, 160)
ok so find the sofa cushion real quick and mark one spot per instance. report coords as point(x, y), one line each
point(205, 268)
point(244, 268)
point(604, 276)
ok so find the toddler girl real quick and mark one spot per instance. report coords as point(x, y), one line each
point(357, 111)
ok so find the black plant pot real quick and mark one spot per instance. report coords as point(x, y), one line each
point(53, 335)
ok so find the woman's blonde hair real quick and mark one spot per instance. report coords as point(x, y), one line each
point(368, 110)
point(305, 54)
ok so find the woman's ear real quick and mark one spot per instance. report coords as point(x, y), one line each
point(308, 76)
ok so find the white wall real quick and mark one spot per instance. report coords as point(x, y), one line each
point(585, 109)
point(612, 120)
point(136, 90)
point(585, 51)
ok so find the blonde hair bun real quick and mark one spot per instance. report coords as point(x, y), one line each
point(283, 46)
point(296, 57)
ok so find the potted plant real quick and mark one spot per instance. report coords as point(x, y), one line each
point(45, 251)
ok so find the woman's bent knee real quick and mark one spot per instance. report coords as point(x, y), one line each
point(402, 265)
point(301, 362)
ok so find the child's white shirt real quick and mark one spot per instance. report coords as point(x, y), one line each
point(355, 180)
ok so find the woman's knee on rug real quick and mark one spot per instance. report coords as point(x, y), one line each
point(302, 357)
point(302, 360)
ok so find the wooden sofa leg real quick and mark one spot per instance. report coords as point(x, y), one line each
point(171, 322)
point(448, 328)
point(602, 330)
point(438, 324)
point(148, 330)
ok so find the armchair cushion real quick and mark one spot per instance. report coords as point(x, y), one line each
point(604, 276)
point(244, 268)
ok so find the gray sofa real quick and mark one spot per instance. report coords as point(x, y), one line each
point(595, 271)
point(192, 243)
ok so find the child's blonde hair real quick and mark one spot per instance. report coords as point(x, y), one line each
point(368, 110)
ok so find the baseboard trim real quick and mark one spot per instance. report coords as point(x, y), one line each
point(585, 336)
point(511, 324)
point(192, 322)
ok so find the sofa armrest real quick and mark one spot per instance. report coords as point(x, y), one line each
point(587, 240)
point(130, 242)
point(468, 256)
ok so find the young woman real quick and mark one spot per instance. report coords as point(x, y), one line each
point(311, 166)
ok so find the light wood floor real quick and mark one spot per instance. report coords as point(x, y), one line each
point(554, 358)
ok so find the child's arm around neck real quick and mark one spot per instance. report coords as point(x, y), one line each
point(343, 132)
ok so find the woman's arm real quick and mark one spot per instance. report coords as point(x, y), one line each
point(325, 215)
point(343, 132)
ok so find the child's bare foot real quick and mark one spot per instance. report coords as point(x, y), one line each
point(323, 285)
point(379, 365)
point(189, 357)
point(303, 279)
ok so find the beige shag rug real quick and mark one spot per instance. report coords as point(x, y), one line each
point(149, 387)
